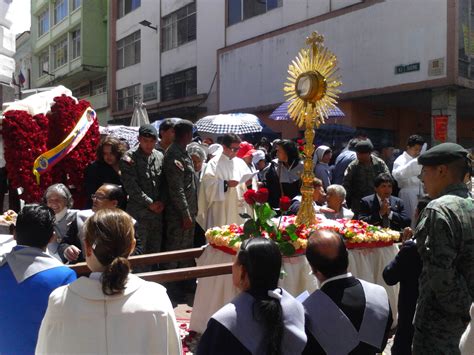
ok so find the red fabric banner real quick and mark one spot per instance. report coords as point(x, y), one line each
point(440, 124)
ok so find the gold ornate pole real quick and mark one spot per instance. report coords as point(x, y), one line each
point(312, 90)
point(306, 214)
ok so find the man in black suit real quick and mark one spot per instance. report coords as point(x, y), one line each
point(383, 209)
point(406, 269)
point(346, 315)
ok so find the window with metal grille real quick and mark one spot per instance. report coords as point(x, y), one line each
point(128, 50)
point(81, 91)
point(99, 86)
point(76, 4)
point(240, 10)
point(178, 27)
point(126, 97)
point(43, 62)
point(60, 53)
point(127, 6)
point(178, 85)
point(76, 43)
point(60, 11)
point(43, 22)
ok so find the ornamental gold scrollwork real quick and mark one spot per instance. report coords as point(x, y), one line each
point(312, 89)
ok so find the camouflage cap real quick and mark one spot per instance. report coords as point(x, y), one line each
point(364, 146)
point(148, 130)
point(443, 153)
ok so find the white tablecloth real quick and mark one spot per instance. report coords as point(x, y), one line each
point(214, 292)
point(6, 243)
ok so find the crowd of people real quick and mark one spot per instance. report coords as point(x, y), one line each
point(162, 194)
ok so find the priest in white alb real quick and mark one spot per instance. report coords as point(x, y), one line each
point(406, 170)
point(223, 186)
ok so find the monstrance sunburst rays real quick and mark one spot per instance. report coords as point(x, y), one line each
point(312, 88)
point(319, 61)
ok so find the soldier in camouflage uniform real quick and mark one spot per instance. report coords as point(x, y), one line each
point(182, 191)
point(361, 173)
point(445, 241)
point(141, 169)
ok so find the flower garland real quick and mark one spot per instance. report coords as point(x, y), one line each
point(63, 116)
point(357, 234)
point(26, 137)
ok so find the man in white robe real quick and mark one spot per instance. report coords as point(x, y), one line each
point(221, 192)
point(406, 170)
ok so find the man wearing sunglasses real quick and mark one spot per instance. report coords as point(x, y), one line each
point(106, 196)
point(221, 193)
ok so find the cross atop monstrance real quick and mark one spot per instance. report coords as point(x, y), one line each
point(312, 88)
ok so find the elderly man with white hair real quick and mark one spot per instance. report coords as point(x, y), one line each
point(336, 197)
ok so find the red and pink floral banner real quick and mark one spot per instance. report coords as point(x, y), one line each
point(27, 137)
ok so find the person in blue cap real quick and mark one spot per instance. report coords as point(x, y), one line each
point(445, 241)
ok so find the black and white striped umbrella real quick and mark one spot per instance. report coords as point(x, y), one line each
point(238, 123)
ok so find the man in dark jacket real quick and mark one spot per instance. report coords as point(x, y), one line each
point(383, 209)
point(360, 174)
point(344, 305)
point(406, 269)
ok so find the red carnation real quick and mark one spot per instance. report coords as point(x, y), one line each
point(285, 203)
point(249, 196)
point(261, 196)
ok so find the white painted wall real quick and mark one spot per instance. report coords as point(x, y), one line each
point(147, 71)
point(369, 43)
point(211, 36)
point(7, 43)
point(291, 12)
point(23, 58)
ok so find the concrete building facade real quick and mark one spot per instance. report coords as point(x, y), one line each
point(7, 51)
point(402, 62)
point(23, 63)
point(70, 48)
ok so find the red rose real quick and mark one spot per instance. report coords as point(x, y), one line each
point(285, 203)
point(249, 196)
point(261, 196)
point(301, 148)
point(300, 142)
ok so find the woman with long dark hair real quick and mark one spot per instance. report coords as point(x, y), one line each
point(106, 168)
point(283, 177)
point(112, 311)
point(263, 319)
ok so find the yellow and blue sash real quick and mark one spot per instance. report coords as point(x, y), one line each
point(47, 160)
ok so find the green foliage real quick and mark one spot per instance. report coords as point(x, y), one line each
point(286, 248)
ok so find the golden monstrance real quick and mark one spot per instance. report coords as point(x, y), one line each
point(312, 88)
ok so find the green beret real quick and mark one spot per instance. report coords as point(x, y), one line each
point(364, 146)
point(443, 153)
point(148, 130)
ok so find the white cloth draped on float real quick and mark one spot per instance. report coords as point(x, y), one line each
point(214, 292)
point(40, 102)
point(217, 207)
point(406, 170)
